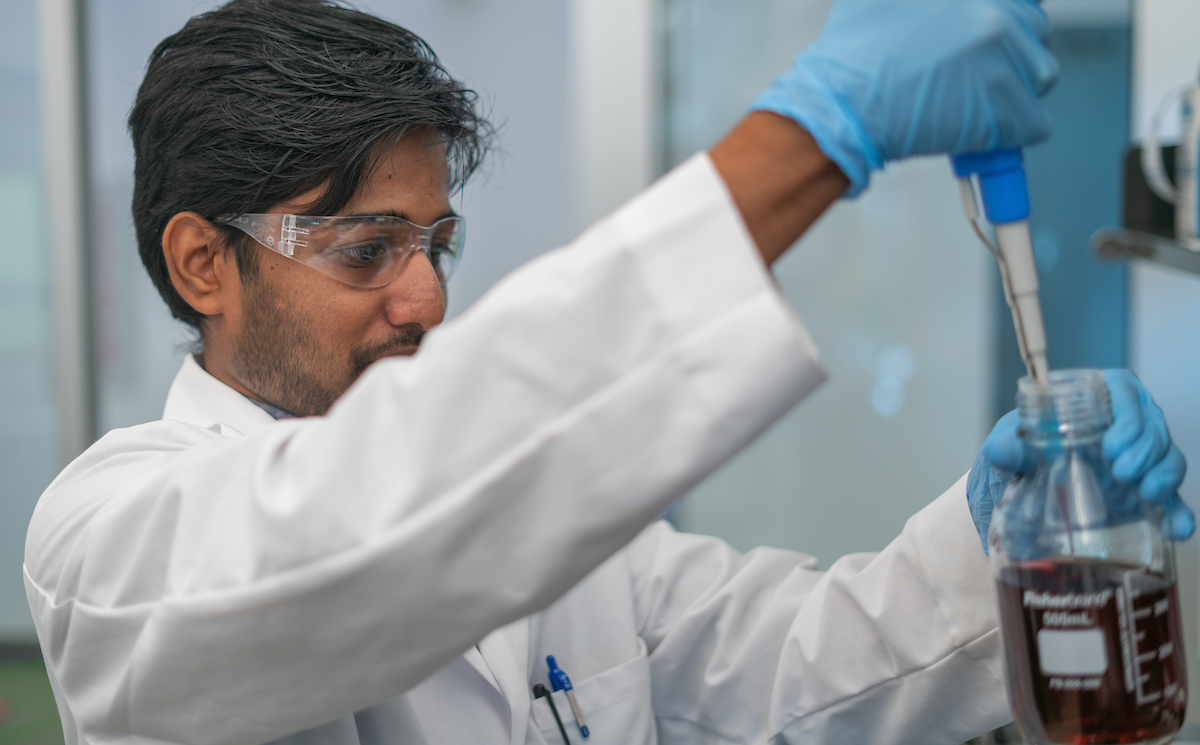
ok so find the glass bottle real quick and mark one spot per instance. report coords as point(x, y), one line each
point(1089, 615)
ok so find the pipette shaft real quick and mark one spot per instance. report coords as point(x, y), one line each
point(1020, 272)
point(1001, 175)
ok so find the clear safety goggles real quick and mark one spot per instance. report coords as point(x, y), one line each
point(363, 251)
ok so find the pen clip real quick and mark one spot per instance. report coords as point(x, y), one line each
point(558, 679)
point(539, 691)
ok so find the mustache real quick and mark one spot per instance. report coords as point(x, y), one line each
point(406, 339)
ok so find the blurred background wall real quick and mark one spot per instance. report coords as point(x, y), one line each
point(894, 289)
point(28, 434)
point(595, 99)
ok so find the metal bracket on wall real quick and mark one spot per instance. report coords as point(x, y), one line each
point(1149, 221)
point(1120, 243)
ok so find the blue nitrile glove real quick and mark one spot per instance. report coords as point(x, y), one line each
point(892, 78)
point(1137, 444)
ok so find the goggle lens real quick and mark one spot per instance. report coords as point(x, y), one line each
point(364, 252)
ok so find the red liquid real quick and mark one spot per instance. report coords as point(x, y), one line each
point(1093, 652)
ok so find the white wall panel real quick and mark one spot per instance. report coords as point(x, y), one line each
point(1165, 304)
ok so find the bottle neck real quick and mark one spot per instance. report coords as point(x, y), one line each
point(1071, 410)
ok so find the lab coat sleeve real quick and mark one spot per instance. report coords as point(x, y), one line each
point(192, 586)
point(900, 647)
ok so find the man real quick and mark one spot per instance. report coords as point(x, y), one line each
point(314, 548)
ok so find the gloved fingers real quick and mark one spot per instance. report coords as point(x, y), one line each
point(1046, 73)
point(1035, 126)
point(1033, 16)
point(1132, 464)
point(981, 514)
point(1006, 34)
point(1003, 448)
point(1021, 119)
point(1163, 478)
point(985, 486)
point(1179, 522)
point(1126, 394)
point(1040, 67)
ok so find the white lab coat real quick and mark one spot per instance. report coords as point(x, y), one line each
point(396, 571)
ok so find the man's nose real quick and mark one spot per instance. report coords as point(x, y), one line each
point(416, 295)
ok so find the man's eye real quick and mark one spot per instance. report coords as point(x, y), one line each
point(361, 254)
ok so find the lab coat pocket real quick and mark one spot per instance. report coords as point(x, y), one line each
point(616, 705)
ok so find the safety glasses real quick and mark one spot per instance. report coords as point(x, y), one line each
point(363, 251)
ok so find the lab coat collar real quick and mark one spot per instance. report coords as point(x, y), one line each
point(196, 397)
point(200, 399)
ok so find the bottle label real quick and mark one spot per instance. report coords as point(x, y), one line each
point(1069, 638)
point(1072, 652)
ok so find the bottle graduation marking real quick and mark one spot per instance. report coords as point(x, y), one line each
point(1134, 634)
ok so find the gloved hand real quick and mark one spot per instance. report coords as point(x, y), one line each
point(892, 78)
point(1137, 444)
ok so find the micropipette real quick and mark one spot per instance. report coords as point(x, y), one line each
point(1005, 196)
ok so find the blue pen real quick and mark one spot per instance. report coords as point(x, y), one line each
point(560, 682)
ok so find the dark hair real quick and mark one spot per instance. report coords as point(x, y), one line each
point(261, 100)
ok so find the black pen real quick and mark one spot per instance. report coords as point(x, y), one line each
point(539, 691)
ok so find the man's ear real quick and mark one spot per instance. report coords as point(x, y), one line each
point(201, 267)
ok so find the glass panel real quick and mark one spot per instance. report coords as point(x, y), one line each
point(139, 347)
point(28, 448)
point(896, 292)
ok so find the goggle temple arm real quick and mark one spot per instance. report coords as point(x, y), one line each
point(278, 233)
point(289, 236)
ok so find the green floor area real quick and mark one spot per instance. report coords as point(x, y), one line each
point(28, 715)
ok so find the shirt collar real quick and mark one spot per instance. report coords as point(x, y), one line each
point(275, 412)
point(200, 399)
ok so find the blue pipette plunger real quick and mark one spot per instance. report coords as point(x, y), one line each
point(1004, 192)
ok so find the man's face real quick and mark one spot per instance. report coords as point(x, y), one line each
point(301, 338)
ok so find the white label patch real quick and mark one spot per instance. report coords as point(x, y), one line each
point(1072, 652)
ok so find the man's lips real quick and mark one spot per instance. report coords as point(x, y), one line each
point(407, 351)
point(403, 344)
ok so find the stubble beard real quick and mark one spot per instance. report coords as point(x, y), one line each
point(282, 362)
